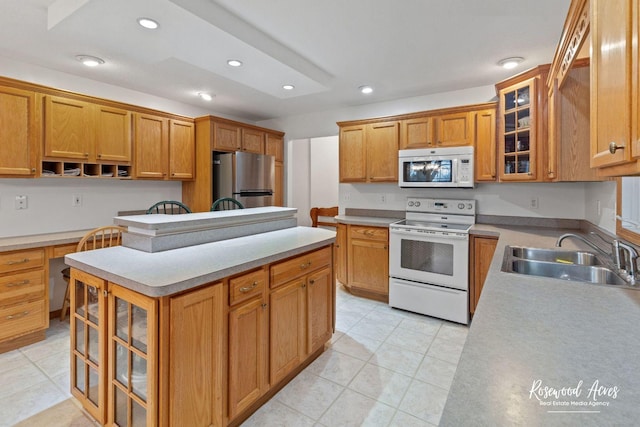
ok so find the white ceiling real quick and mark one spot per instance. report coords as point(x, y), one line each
point(326, 48)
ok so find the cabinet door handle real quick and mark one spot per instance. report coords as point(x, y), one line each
point(33, 169)
point(17, 316)
point(304, 285)
point(99, 156)
point(24, 282)
point(86, 154)
point(311, 282)
point(613, 147)
point(248, 288)
point(20, 261)
point(264, 305)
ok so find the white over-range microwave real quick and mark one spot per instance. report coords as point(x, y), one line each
point(436, 167)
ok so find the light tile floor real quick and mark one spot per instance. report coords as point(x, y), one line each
point(384, 367)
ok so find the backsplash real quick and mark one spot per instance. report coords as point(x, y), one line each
point(575, 200)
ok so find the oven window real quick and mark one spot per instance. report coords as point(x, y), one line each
point(427, 171)
point(428, 257)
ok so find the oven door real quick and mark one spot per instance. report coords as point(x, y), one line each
point(437, 258)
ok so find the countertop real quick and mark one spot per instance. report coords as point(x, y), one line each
point(366, 220)
point(531, 334)
point(40, 240)
point(166, 273)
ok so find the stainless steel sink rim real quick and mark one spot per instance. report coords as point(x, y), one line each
point(596, 273)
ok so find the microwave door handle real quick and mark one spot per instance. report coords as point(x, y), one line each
point(454, 171)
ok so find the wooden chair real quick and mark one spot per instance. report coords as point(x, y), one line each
point(318, 212)
point(169, 207)
point(226, 204)
point(101, 237)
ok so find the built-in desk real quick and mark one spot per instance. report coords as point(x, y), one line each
point(24, 284)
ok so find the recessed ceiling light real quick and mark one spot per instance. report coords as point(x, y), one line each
point(288, 87)
point(148, 23)
point(205, 96)
point(365, 89)
point(90, 61)
point(510, 63)
point(234, 63)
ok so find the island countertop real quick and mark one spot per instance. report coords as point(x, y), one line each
point(532, 337)
point(166, 273)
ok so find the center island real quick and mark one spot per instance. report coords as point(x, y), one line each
point(198, 319)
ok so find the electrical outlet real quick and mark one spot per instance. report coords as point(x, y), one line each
point(76, 200)
point(533, 203)
point(21, 202)
point(346, 197)
point(383, 198)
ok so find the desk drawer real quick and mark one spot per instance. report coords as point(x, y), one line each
point(246, 286)
point(21, 287)
point(22, 318)
point(298, 266)
point(21, 260)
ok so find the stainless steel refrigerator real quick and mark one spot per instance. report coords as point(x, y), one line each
point(246, 177)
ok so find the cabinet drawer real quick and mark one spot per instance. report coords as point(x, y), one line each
point(246, 286)
point(22, 318)
point(371, 233)
point(295, 267)
point(21, 287)
point(62, 250)
point(21, 260)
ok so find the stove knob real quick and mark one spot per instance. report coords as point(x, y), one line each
point(417, 204)
point(460, 205)
point(469, 205)
point(410, 203)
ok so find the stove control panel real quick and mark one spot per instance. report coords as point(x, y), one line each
point(452, 206)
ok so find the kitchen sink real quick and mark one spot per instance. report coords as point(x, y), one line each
point(571, 272)
point(576, 266)
point(555, 255)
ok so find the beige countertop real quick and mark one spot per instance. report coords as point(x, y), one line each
point(40, 240)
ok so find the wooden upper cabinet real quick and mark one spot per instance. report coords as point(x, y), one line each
point(226, 137)
point(522, 126)
point(274, 146)
point(416, 133)
point(454, 129)
point(68, 132)
point(19, 132)
point(382, 152)
point(151, 142)
point(181, 149)
point(352, 154)
point(612, 38)
point(112, 134)
point(485, 145)
point(253, 141)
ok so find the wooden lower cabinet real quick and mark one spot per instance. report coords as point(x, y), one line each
point(24, 302)
point(288, 345)
point(206, 357)
point(368, 261)
point(196, 351)
point(482, 249)
point(341, 253)
point(248, 367)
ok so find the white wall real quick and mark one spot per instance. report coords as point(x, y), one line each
point(605, 194)
point(312, 170)
point(50, 209)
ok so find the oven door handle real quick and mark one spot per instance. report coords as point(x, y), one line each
point(430, 236)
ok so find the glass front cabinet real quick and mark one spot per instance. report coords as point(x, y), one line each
point(521, 130)
point(113, 352)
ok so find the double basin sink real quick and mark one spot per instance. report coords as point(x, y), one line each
point(577, 266)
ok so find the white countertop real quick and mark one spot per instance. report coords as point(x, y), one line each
point(40, 240)
point(366, 220)
point(165, 273)
point(529, 328)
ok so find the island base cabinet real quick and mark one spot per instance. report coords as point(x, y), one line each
point(133, 353)
point(195, 358)
point(288, 328)
point(88, 330)
point(320, 310)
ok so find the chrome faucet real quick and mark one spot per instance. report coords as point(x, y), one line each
point(576, 236)
point(630, 266)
